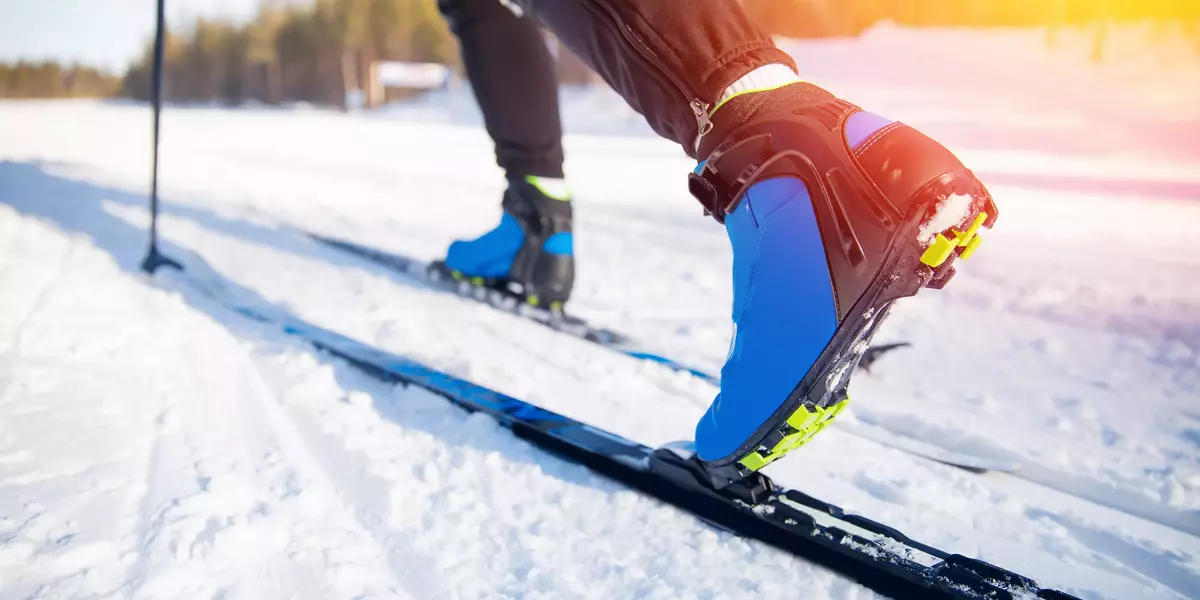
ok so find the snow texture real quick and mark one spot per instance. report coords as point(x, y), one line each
point(154, 445)
point(950, 212)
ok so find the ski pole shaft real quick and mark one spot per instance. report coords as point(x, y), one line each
point(153, 258)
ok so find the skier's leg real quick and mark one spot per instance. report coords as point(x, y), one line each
point(668, 58)
point(512, 76)
point(833, 212)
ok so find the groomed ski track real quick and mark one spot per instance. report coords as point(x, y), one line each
point(153, 445)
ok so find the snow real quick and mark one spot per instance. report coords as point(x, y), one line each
point(950, 212)
point(154, 445)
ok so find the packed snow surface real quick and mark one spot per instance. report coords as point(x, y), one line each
point(155, 445)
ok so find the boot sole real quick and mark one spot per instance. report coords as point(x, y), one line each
point(496, 285)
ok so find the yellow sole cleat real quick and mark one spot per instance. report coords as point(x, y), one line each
point(483, 282)
point(801, 426)
point(943, 247)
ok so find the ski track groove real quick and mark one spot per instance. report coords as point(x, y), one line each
point(47, 288)
point(293, 480)
point(174, 484)
point(297, 443)
point(365, 494)
point(1128, 555)
point(1184, 522)
point(1048, 479)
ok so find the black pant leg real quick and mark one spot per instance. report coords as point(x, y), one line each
point(512, 76)
point(663, 55)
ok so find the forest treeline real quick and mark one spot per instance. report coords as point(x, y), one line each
point(50, 79)
point(308, 53)
point(317, 52)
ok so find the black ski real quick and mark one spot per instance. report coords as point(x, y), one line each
point(420, 271)
point(871, 553)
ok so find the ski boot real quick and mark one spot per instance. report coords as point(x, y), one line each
point(833, 214)
point(529, 256)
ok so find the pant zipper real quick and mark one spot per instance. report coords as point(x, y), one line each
point(698, 106)
point(703, 123)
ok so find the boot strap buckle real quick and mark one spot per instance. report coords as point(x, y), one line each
point(728, 172)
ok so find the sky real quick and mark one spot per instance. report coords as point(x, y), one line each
point(104, 33)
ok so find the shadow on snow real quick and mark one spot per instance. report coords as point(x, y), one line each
point(77, 207)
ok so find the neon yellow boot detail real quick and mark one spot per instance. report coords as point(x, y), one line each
point(964, 238)
point(803, 424)
point(938, 251)
point(971, 247)
point(754, 461)
point(942, 247)
point(550, 187)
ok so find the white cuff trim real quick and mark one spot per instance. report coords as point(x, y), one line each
point(763, 78)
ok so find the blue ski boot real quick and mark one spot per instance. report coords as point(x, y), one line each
point(529, 255)
point(833, 214)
